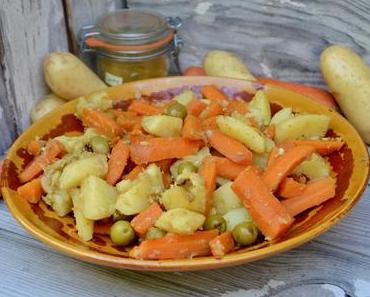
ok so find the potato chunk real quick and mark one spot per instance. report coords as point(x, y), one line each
point(85, 227)
point(98, 198)
point(282, 115)
point(249, 136)
point(224, 199)
point(180, 220)
point(303, 126)
point(162, 125)
point(60, 201)
point(314, 167)
point(74, 173)
point(185, 97)
point(260, 108)
point(235, 217)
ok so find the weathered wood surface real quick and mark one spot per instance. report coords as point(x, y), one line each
point(282, 38)
point(28, 31)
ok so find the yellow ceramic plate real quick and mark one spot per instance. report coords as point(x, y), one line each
point(351, 165)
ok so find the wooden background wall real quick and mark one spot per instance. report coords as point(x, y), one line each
point(254, 29)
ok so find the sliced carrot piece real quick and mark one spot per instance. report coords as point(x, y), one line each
point(195, 107)
point(52, 151)
point(117, 162)
point(290, 188)
point(271, 217)
point(127, 123)
point(160, 148)
point(144, 108)
point(102, 228)
point(226, 168)
point(34, 147)
point(101, 122)
point(208, 171)
point(236, 105)
point(175, 246)
point(222, 244)
point(31, 191)
point(284, 164)
point(229, 147)
point(211, 92)
point(270, 131)
point(213, 109)
point(135, 172)
point(209, 123)
point(323, 147)
point(315, 193)
point(146, 219)
point(192, 128)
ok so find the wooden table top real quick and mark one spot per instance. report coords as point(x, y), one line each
point(281, 38)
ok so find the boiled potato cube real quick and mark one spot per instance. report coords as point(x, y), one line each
point(282, 115)
point(224, 199)
point(314, 167)
point(162, 125)
point(185, 97)
point(180, 220)
point(98, 198)
point(96, 101)
point(60, 201)
point(247, 135)
point(303, 126)
point(84, 226)
point(74, 173)
point(235, 217)
point(260, 108)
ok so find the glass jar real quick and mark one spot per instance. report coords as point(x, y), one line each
point(132, 45)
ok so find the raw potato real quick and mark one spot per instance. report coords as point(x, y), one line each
point(68, 77)
point(84, 226)
point(235, 217)
point(74, 173)
point(247, 135)
point(180, 220)
point(45, 105)
point(314, 167)
point(98, 198)
point(162, 125)
point(260, 108)
point(348, 78)
point(282, 115)
point(303, 126)
point(225, 64)
point(224, 199)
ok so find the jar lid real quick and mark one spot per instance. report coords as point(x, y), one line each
point(131, 30)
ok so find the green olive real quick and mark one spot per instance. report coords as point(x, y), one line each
point(154, 233)
point(245, 233)
point(100, 145)
point(215, 222)
point(121, 233)
point(186, 166)
point(176, 109)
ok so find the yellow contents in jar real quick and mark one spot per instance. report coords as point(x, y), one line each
point(115, 72)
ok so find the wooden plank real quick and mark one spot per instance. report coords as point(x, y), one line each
point(277, 38)
point(28, 31)
point(86, 12)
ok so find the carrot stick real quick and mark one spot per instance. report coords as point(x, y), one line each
point(175, 246)
point(101, 122)
point(284, 164)
point(209, 123)
point(52, 151)
point(236, 105)
point(229, 147)
point(34, 147)
point(226, 168)
point(290, 188)
point(222, 244)
point(144, 108)
point(192, 128)
point(146, 219)
point(270, 131)
point(135, 172)
point(323, 147)
point(117, 162)
point(160, 148)
point(207, 171)
point(316, 192)
point(102, 228)
point(195, 107)
point(127, 122)
point(317, 94)
point(31, 191)
point(268, 213)
point(211, 92)
point(213, 109)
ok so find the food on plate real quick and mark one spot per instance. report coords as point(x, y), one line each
point(225, 64)
point(167, 181)
point(348, 78)
point(68, 77)
point(45, 105)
